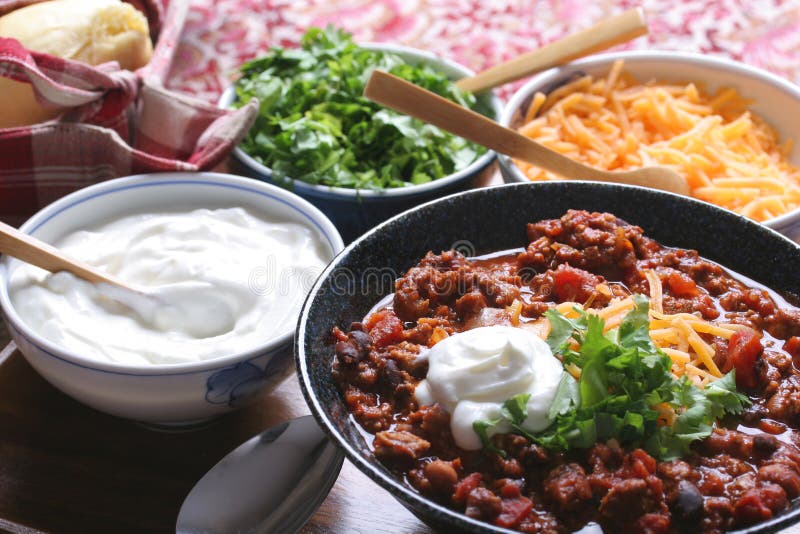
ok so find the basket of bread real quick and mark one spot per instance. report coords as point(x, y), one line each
point(83, 99)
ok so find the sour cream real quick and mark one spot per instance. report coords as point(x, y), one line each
point(472, 373)
point(228, 280)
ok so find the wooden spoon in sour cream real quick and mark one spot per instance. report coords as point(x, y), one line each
point(195, 308)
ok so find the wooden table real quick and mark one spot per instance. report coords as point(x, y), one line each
point(67, 468)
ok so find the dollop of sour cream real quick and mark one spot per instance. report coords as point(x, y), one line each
point(223, 281)
point(473, 372)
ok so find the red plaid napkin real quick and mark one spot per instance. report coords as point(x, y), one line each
point(119, 122)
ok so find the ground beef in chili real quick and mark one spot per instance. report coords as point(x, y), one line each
point(744, 473)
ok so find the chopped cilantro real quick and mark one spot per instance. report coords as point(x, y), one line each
point(515, 409)
point(315, 125)
point(562, 329)
point(568, 396)
point(482, 428)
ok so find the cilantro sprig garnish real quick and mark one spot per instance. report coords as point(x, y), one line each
point(623, 378)
point(514, 411)
point(315, 125)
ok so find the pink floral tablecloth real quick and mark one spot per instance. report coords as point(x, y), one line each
point(221, 34)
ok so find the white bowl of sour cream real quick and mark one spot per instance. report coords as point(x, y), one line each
point(255, 248)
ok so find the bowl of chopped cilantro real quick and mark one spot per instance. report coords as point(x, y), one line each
point(358, 162)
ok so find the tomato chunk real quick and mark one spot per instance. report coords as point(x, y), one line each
point(573, 284)
point(759, 504)
point(792, 346)
point(384, 328)
point(681, 285)
point(514, 507)
point(744, 349)
point(642, 464)
point(465, 486)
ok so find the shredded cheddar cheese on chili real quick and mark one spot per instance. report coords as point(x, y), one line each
point(728, 155)
point(678, 335)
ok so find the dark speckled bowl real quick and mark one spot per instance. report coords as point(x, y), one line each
point(492, 219)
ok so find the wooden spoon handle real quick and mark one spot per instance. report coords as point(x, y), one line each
point(410, 99)
point(30, 250)
point(605, 34)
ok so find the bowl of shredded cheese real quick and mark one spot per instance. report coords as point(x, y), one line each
point(729, 128)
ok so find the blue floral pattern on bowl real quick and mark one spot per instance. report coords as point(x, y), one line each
point(237, 384)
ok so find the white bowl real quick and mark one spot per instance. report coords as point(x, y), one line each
point(776, 100)
point(354, 211)
point(161, 394)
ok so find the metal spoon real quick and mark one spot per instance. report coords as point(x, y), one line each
point(405, 97)
point(272, 483)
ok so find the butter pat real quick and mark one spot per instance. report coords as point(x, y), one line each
point(90, 31)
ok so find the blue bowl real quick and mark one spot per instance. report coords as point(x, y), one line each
point(356, 211)
point(166, 394)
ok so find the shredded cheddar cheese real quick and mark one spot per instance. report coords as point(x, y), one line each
point(729, 156)
point(678, 335)
point(514, 310)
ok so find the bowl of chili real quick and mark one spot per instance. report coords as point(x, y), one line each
point(378, 302)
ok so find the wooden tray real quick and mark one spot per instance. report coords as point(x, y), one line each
point(67, 468)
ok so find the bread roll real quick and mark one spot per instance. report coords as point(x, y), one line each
point(91, 31)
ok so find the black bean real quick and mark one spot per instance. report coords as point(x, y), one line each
point(361, 339)
point(688, 504)
point(347, 353)
point(765, 444)
point(392, 374)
